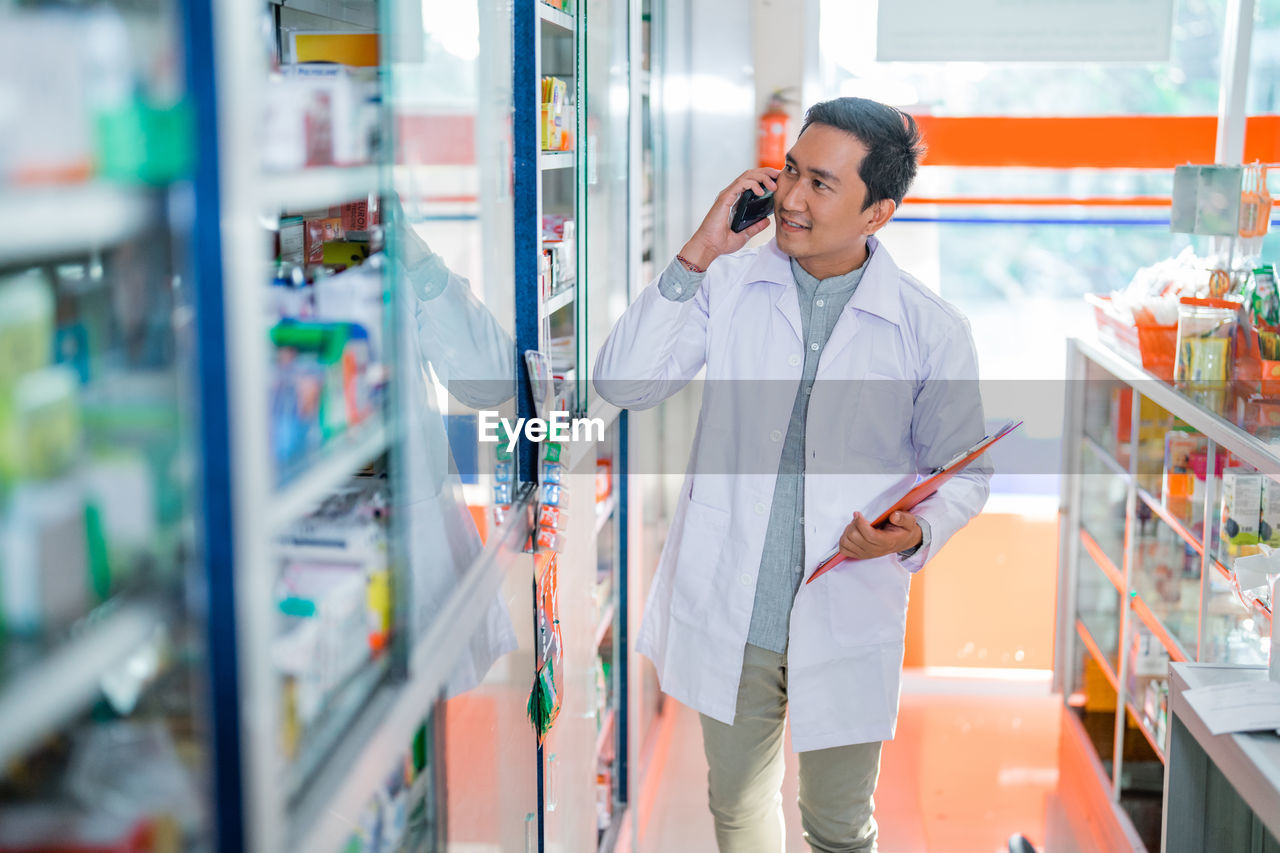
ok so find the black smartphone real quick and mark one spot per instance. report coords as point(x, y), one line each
point(750, 209)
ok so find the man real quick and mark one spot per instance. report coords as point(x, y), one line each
point(833, 379)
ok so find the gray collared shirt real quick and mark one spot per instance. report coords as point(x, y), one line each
point(782, 563)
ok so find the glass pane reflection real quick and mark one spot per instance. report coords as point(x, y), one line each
point(451, 244)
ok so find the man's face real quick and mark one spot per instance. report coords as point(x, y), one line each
point(818, 202)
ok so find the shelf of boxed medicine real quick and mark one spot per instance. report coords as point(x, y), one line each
point(1228, 437)
point(317, 187)
point(1177, 525)
point(61, 221)
point(555, 17)
point(1162, 619)
point(47, 693)
point(340, 460)
point(375, 741)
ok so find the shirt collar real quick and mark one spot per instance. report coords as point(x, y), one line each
point(877, 292)
point(835, 285)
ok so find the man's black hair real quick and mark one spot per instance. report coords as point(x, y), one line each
point(894, 145)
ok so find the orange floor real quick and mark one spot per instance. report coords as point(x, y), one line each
point(974, 761)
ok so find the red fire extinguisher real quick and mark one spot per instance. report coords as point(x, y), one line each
point(773, 131)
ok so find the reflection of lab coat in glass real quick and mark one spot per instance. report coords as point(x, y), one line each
point(458, 338)
point(896, 395)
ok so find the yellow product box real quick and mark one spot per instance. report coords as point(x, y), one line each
point(555, 98)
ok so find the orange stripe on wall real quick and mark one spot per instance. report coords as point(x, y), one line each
point(1099, 142)
point(1134, 201)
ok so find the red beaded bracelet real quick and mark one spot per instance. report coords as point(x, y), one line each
point(689, 265)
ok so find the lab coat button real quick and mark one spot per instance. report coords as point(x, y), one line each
point(744, 579)
point(776, 435)
point(794, 361)
point(760, 508)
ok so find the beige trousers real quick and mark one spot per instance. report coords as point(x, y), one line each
point(747, 763)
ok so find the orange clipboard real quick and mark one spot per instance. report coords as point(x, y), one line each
point(924, 489)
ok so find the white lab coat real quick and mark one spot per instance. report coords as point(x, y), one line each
point(473, 357)
point(865, 442)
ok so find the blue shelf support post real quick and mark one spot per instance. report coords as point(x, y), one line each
point(217, 541)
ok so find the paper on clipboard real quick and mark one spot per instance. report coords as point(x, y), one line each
point(924, 489)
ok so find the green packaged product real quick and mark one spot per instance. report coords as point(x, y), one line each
point(1262, 298)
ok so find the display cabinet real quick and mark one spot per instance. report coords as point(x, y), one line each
point(1155, 473)
point(572, 136)
point(104, 631)
point(357, 209)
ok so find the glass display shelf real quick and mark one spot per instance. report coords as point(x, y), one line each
point(1166, 623)
point(555, 17)
point(1098, 604)
point(317, 187)
point(1165, 581)
point(310, 482)
point(41, 222)
point(46, 683)
point(1187, 529)
point(1235, 415)
point(558, 301)
point(1105, 413)
point(606, 624)
point(1233, 419)
point(1103, 502)
point(1143, 725)
point(556, 160)
point(604, 742)
point(1101, 561)
point(1106, 662)
point(1103, 456)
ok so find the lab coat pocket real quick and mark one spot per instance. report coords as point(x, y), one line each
point(698, 555)
point(866, 601)
point(881, 424)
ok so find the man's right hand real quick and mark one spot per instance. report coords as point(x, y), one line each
point(714, 237)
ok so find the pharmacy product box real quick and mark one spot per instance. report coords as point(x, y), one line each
point(1269, 524)
point(1241, 512)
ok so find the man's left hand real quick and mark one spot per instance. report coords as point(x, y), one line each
point(861, 541)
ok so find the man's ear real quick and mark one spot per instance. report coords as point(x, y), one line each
point(881, 212)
